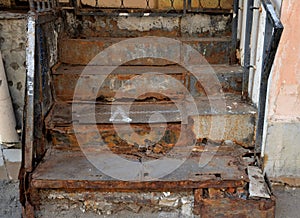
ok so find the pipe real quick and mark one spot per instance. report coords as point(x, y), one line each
point(8, 132)
point(254, 39)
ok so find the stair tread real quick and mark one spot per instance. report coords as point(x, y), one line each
point(65, 169)
point(183, 39)
point(140, 112)
point(171, 69)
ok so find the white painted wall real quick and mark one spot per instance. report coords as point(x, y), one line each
point(277, 5)
point(258, 58)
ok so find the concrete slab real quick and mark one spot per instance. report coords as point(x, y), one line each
point(9, 203)
point(288, 200)
point(3, 172)
point(281, 159)
point(12, 162)
point(12, 155)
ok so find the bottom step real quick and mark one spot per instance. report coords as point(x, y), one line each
point(202, 203)
point(66, 184)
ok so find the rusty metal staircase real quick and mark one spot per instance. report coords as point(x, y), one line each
point(149, 138)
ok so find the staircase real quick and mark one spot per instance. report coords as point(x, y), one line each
point(196, 144)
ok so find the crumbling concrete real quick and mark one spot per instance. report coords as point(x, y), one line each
point(10, 162)
point(160, 204)
point(9, 203)
point(282, 152)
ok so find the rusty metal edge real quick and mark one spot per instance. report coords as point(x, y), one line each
point(137, 186)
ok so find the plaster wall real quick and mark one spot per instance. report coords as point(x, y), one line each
point(282, 148)
point(12, 46)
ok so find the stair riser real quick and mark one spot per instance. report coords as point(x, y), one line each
point(197, 25)
point(65, 85)
point(237, 128)
point(228, 207)
point(170, 203)
point(82, 51)
point(126, 142)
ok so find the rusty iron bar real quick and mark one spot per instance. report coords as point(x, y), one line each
point(40, 6)
point(43, 5)
point(147, 4)
point(189, 7)
point(234, 42)
point(48, 5)
point(31, 5)
point(122, 4)
point(169, 11)
point(172, 4)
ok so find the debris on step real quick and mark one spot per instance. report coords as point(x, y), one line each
point(257, 187)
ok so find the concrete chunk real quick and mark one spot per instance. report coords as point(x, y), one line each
point(257, 187)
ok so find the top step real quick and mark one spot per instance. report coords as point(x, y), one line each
point(190, 25)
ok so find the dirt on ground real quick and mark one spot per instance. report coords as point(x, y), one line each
point(10, 206)
point(287, 201)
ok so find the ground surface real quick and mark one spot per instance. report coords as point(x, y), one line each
point(288, 202)
point(9, 199)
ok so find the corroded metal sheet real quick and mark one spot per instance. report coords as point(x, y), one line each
point(66, 77)
point(234, 207)
point(78, 172)
point(237, 124)
point(215, 50)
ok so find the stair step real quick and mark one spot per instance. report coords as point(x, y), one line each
point(68, 180)
point(66, 77)
point(197, 25)
point(94, 122)
point(72, 169)
point(216, 50)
